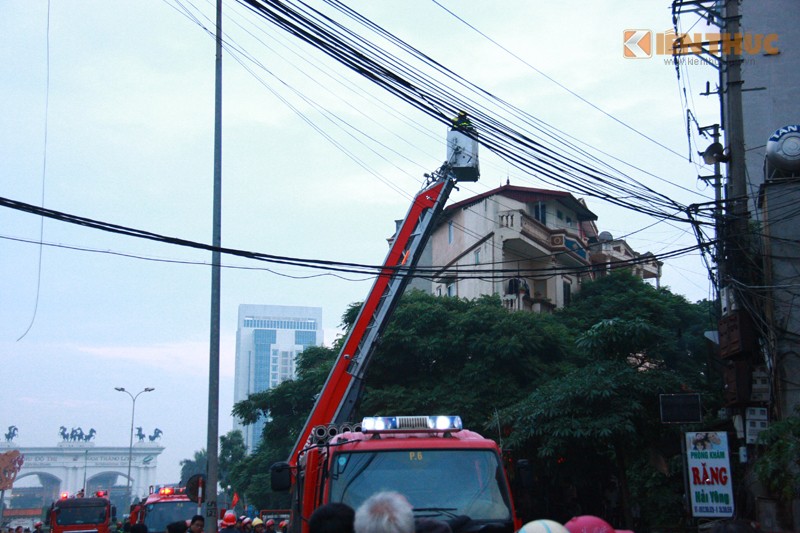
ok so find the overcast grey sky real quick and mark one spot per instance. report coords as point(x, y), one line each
point(124, 92)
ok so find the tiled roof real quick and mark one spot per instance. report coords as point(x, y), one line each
point(528, 195)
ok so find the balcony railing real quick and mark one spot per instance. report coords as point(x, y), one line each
point(527, 226)
point(520, 302)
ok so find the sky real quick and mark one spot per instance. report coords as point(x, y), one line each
point(108, 113)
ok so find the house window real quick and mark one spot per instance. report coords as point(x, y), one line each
point(540, 212)
point(567, 293)
point(450, 232)
point(569, 222)
point(451, 289)
point(559, 215)
point(439, 291)
point(477, 256)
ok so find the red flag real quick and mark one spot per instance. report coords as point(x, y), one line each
point(235, 500)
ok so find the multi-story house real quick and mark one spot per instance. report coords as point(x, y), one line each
point(533, 247)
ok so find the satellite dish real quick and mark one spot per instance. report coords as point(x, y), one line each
point(194, 488)
point(715, 153)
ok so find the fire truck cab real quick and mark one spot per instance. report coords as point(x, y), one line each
point(162, 506)
point(444, 471)
point(81, 515)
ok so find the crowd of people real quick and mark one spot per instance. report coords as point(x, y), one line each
point(385, 512)
point(390, 512)
point(38, 527)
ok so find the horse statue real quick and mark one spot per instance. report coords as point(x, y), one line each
point(12, 432)
point(89, 436)
point(76, 434)
point(156, 435)
point(64, 433)
point(140, 434)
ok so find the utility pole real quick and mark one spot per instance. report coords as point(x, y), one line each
point(737, 208)
point(714, 155)
point(213, 359)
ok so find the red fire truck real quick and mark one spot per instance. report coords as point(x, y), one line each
point(445, 471)
point(81, 515)
point(162, 506)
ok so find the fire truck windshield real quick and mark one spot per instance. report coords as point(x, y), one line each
point(70, 516)
point(438, 483)
point(158, 515)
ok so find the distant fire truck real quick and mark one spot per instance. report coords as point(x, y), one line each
point(84, 515)
point(162, 506)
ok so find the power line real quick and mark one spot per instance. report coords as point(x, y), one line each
point(332, 266)
point(44, 176)
point(559, 84)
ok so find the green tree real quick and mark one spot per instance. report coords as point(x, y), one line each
point(592, 423)
point(232, 451)
point(778, 466)
point(598, 416)
point(196, 465)
point(676, 326)
point(437, 355)
point(600, 421)
point(287, 406)
point(451, 355)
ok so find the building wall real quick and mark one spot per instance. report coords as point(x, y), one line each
point(459, 237)
point(499, 232)
point(770, 101)
point(769, 97)
point(268, 340)
point(780, 200)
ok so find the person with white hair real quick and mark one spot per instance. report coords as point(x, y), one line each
point(385, 512)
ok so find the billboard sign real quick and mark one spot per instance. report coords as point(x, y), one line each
point(709, 468)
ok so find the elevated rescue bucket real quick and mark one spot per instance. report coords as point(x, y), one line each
point(462, 149)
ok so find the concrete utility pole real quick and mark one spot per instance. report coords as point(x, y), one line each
point(714, 155)
point(737, 208)
point(213, 359)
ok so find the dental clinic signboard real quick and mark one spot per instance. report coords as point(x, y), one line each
point(709, 468)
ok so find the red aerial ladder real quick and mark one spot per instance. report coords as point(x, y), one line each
point(445, 471)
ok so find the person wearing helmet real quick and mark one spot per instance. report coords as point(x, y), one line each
point(258, 525)
point(269, 526)
point(229, 523)
point(591, 524)
point(247, 525)
point(543, 526)
point(462, 122)
point(38, 527)
point(282, 527)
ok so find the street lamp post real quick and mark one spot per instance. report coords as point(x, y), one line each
point(130, 446)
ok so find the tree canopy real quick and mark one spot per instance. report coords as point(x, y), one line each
point(575, 391)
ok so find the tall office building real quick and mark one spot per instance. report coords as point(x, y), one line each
point(268, 340)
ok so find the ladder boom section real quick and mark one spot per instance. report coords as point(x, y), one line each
point(340, 393)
